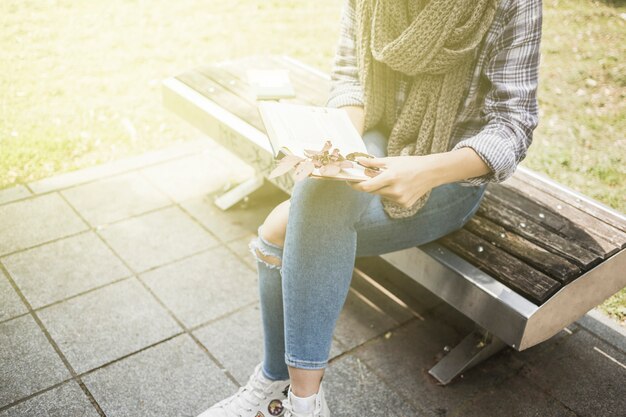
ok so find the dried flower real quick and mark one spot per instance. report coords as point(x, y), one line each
point(329, 163)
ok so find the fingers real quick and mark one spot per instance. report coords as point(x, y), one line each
point(374, 184)
point(372, 162)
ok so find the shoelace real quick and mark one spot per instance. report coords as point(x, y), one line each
point(245, 397)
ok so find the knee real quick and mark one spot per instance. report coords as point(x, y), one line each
point(268, 247)
point(274, 228)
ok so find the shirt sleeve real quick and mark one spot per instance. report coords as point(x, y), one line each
point(345, 88)
point(510, 108)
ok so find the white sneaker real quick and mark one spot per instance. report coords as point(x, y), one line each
point(320, 410)
point(260, 397)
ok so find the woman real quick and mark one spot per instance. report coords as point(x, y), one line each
point(444, 94)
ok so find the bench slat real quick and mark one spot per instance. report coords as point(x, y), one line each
point(529, 229)
point(547, 262)
point(506, 268)
point(230, 101)
point(568, 221)
point(606, 216)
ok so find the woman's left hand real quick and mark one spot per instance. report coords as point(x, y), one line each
point(403, 179)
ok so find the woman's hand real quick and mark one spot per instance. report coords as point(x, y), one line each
point(403, 179)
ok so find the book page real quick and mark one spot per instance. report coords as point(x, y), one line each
point(299, 127)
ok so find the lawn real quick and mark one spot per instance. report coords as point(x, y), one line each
point(79, 80)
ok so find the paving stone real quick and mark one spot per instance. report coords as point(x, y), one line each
point(115, 198)
point(119, 166)
point(236, 341)
point(359, 322)
point(30, 222)
point(65, 400)
point(156, 238)
point(28, 363)
point(13, 193)
point(64, 268)
point(240, 220)
point(403, 361)
point(353, 390)
point(175, 378)
point(204, 286)
point(581, 377)
point(197, 175)
point(240, 247)
point(514, 398)
point(107, 323)
point(10, 303)
point(605, 328)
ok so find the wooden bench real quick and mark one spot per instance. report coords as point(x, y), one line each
point(535, 258)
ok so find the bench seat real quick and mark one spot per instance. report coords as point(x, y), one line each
point(534, 258)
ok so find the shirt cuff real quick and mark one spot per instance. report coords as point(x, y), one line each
point(494, 149)
point(348, 97)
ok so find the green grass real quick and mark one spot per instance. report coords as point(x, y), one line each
point(79, 81)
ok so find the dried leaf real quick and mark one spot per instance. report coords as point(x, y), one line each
point(303, 170)
point(285, 165)
point(351, 156)
point(327, 146)
point(370, 172)
point(330, 170)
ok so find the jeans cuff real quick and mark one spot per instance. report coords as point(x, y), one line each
point(302, 364)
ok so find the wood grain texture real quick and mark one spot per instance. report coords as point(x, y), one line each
point(506, 268)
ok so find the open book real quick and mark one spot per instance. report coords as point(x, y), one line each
point(295, 130)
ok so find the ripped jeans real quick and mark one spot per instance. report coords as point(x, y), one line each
point(329, 225)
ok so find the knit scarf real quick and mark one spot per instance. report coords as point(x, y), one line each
point(430, 45)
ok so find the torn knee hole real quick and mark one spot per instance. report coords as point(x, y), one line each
point(271, 259)
point(264, 254)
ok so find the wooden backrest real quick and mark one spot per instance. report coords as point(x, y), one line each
point(530, 234)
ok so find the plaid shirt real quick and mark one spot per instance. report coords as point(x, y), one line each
point(499, 113)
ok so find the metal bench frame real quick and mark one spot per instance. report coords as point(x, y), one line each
point(504, 318)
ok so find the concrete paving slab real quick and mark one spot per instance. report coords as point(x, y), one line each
point(360, 321)
point(14, 193)
point(28, 363)
point(175, 378)
point(605, 328)
point(106, 324)
point(64, 268)
point(236, 341)
point(516, 397)
point(239, 220)
point(354, 390)
point(65, 400)
point(156, 238)
point(403, 361)
point(582, 372)
point(240, 247)
point(115, 198)
point(119, 166)
point(34, 221)
point(204, 286)
point(197, 175)
point(11, 304)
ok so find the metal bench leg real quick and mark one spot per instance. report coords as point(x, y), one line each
point(475, 348)
point(239, 192)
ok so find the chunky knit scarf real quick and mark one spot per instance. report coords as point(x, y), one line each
point(430, 45)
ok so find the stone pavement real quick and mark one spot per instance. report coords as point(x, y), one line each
point(125, 292)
